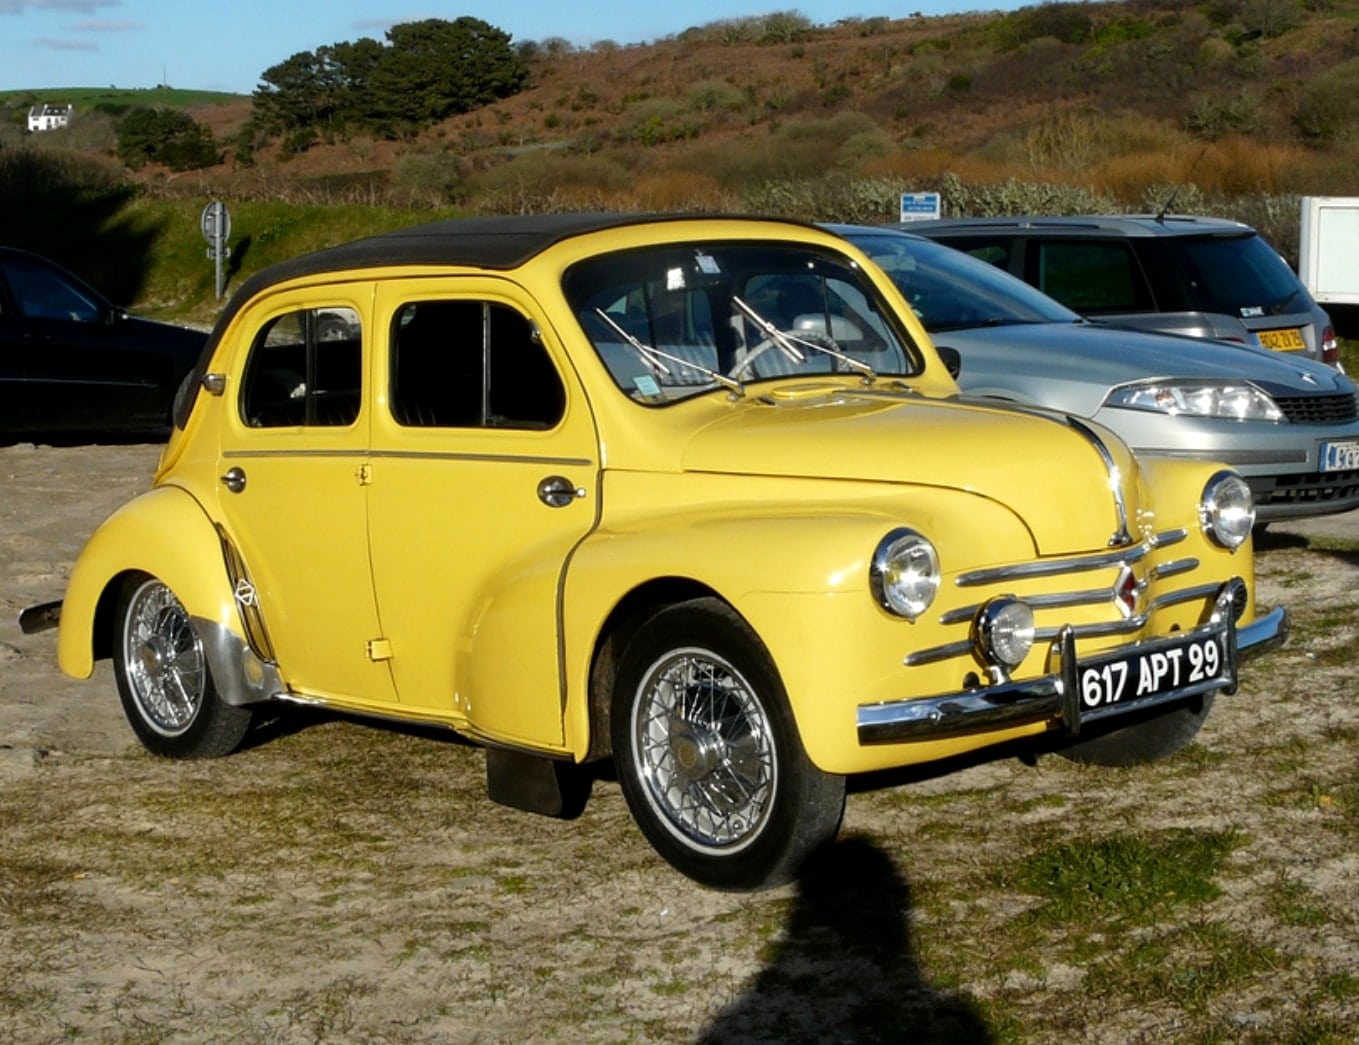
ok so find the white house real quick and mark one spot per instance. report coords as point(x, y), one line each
point(48, 117)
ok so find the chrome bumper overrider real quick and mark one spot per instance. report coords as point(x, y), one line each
point(1056, 697)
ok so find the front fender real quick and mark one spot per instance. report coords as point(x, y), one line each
point(164, 533)
point(797, 574)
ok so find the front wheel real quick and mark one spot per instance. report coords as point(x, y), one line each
point(164, 680)
point(708, 755)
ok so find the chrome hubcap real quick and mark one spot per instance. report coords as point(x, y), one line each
point(165, 668)
point(704, 750)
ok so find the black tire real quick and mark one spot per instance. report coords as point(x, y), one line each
point(1151, 738)
point(708, 755)
point(164, 680)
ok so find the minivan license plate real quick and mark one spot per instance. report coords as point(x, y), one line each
point(1195, 666)
point(1287, 340)
point(1338, 457)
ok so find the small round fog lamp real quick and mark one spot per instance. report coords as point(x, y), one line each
point(1003, 631)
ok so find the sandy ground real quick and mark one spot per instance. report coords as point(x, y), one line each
point(54, 499)
point(343, 883)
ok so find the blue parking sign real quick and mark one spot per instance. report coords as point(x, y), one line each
point(920, 206)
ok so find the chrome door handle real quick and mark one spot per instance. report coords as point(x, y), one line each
point(557, 491)
point(234, 479)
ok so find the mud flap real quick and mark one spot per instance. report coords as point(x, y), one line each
point(536, 784)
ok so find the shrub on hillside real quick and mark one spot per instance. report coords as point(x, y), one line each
point(166, 136)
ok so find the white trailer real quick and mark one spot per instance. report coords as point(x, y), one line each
point(1328, 249)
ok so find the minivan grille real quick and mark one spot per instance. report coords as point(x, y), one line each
point(1319, 410)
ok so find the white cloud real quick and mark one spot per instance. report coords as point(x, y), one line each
point(104, 25)
point(49, 43)
point(89, 7)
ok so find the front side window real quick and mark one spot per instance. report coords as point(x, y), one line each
point(471, 364)
point(677, 320)
point(305, 369)
point(43, 294)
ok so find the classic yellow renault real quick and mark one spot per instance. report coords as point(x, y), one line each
point(695, 494)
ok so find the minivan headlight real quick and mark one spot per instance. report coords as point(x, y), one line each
point(1235, 400)
point(904, 574)
point(1227, 510)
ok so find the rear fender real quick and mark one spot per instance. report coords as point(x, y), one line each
point(165, 534)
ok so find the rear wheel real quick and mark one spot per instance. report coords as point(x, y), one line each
point(1157, 736)
point(708, 755)
point(164, 680)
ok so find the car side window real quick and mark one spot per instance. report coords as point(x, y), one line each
point(305, 368)
point(42, 294)
point(1090, 277)
point(471, 364)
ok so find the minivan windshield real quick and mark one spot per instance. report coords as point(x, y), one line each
point(950, 290)
point(672, 321)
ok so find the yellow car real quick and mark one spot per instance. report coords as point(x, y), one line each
point(694, 494)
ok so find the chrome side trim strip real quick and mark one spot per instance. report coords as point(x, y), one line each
point(1121, 536)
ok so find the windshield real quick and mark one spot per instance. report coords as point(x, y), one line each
point(676, 320)
point(950, 290)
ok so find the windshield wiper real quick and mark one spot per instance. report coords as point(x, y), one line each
point(656, 359)
point(788, 343)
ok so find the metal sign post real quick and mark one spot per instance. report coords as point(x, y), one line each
point(216, 224)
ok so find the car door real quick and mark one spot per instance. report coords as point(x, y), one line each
point(291, 462)
point(485, 469)
point(64, 365)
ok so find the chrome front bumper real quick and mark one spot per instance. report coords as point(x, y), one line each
point(1055, 697)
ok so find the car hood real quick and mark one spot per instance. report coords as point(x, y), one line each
point(1052, 473)
point(1071, 366)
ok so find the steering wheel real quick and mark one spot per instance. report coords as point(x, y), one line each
point(800, 339)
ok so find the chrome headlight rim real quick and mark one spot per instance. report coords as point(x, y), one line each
point(1003, 632)
point(904, 573)
point(1208, 398)
point(1227, 510)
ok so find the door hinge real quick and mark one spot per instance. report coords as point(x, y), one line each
point(379, 649)
point(364, 474)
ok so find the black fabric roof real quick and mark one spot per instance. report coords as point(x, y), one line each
point(494, 242)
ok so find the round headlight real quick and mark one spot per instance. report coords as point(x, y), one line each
point(1227, 511)
point(1003, 631)
point(905, 573)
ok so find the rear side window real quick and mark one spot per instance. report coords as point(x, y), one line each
point(305, 369)
point(1090, 277)
point(471, 364)
point(1240, 276)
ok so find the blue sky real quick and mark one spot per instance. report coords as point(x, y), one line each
point(227, 44)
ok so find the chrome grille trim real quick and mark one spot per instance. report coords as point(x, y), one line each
point(1172, 568)
point(964, 615)
point(1053, 600)
point(1074, 564)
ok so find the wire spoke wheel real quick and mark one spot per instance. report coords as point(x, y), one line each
point(708, 751)
point(705, 751)
point(165, 678)
point(166, 669)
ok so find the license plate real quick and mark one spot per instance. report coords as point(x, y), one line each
point(1338, 457)
point(1288, 340)
point(1190, 666)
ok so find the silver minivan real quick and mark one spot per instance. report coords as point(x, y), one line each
point(1194, 276)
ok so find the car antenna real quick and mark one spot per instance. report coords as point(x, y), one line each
point(1165, 207)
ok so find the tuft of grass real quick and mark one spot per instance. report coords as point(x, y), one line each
point(1124, 879)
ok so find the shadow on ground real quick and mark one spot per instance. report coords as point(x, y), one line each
point(846, 968)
